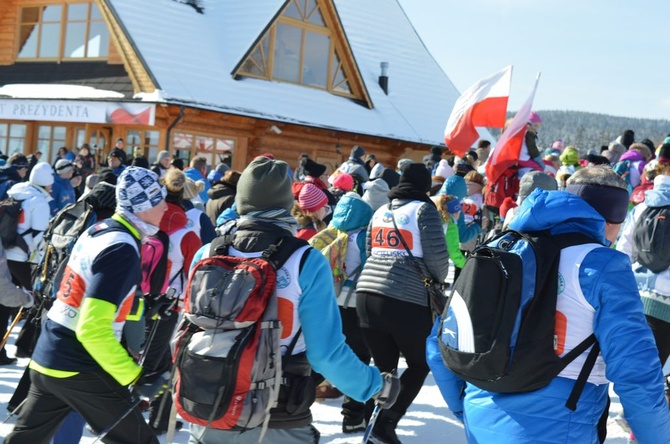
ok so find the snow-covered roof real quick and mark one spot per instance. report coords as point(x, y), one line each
point(192, 56)
point(56, 91)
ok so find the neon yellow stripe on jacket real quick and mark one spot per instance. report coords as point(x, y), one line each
point(51, 372)
point(94, 331)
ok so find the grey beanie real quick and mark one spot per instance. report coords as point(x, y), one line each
point(163, 155)
point(264, 184)
point(535, 179)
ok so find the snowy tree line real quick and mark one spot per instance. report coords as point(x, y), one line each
point(588, 131)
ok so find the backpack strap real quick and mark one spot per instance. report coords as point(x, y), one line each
point(277, 254)
point(220, 245)
point(586, 369)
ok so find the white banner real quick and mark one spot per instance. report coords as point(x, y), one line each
point(78, 111)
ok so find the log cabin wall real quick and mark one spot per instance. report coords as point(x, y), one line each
point(257, 136)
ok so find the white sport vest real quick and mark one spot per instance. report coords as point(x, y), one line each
point(383, 238)
point(176, 263)
point(574, 315)
point(78, 274)
point(288, 297)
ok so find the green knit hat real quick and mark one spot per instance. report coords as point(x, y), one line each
point(264, 184)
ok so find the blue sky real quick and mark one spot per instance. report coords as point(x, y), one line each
point(604, 56)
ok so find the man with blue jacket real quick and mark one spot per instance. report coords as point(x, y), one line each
point(305, 293)
point(598, 295)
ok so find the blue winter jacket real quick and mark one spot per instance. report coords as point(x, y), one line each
point(350, 214)
point(627, 347)
point(195, 175)
point(62, 193)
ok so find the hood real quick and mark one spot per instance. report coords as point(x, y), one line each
point(173, 219)
point(26, 190)
point(351, 213)
point(660, 195)
point(559, 212)
point(220, 190)
point(631, 155)
point(376, 193)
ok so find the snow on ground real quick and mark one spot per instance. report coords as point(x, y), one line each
point(427, 421)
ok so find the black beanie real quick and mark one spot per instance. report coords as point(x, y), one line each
point(436, 153)
point(418, 175)
point(263, 185)
point(664, 153)
point(390, 177)
point(357, 151)
point(312, 168)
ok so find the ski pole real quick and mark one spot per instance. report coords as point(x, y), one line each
point(373, 418)
point(371, 423)
point(11, 327)
point(137, 402)
point(15, 411)
point(109, 428)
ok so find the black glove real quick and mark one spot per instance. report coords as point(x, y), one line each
point(152, 385)
point(158, 304)
point(388, 394)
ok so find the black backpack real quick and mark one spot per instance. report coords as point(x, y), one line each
point(512, 318)
point(652, 239)
point(59, 239)
point(10, 213)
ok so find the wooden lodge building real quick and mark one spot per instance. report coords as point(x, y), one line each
point(216, 76)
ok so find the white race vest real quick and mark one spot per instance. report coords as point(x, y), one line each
point(288, 296)
point(176, 262)
point(385, 241)
point(574, 314)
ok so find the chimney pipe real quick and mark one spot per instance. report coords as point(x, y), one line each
point(384, 78)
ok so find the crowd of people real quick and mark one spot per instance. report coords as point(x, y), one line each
point(403, 225)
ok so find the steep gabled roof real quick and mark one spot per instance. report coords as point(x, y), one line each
point(192, 55)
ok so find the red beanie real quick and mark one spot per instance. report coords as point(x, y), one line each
point(311, 198)
point(344, 182)
point(507, 204)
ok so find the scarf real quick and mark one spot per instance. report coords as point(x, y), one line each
point(408, 191)
point(276, 216)
point(145, 229)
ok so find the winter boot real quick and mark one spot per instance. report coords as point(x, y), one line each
point(384, 429)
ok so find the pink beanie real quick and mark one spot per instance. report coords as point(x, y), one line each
point(311, 198)
point(534, 117)
point(344, 182)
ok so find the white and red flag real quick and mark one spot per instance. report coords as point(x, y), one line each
point(508, 149)
point(484, 104)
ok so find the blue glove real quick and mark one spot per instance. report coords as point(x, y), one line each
point(152, 385)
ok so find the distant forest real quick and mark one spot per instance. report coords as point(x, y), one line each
point(588, 131)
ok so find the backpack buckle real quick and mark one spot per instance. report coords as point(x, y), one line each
point(269, 251)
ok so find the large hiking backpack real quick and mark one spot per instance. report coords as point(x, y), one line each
point(503, 307)
point(227, 353)
point(10, 216)
point(59, 239)
point(332, 243)
point(507, 185)
point(652, 239)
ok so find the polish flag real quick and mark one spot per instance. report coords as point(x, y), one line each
point(483, 104)
point(508, 149)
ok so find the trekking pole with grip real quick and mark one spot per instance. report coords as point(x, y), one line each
point(11, 327)
point(373, 419)
point(136, 402)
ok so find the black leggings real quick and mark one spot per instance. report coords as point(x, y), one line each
point(661, 331)
point(391, 327)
